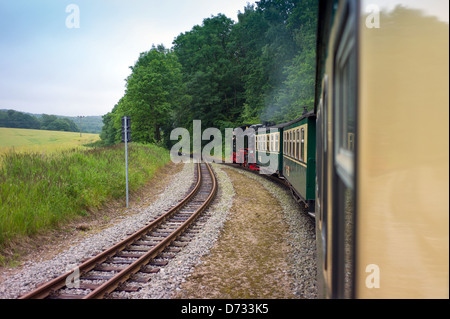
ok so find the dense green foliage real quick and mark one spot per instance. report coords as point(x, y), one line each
point(225, 73)
point(13, 119)
point(53, 123)
point(40, 191)
point(154, 89)
point(89, 124)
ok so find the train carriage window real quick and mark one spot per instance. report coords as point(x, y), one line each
point(291, 141)
point(345, 99)
point(271, 143)
point(290, 144)
point(286, 143)
point(277, 142)
point(302, 141)
point(286, 149)
point(297, 155)
point(293, 144)
point(274, 142)
point(294, 137)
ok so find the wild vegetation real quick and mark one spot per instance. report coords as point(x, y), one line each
point(225, 73)
point(39, 191)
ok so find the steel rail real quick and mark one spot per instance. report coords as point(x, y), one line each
point(50, 287)
point(125, 274)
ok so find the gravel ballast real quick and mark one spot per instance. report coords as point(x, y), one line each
point(167, 283)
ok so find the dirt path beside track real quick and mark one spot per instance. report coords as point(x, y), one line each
point(249, 261)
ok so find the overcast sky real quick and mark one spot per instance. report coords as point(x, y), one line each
point(47, 65)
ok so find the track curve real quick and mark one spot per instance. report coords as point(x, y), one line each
point(136, 251)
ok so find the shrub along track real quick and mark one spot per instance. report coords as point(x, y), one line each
point(136, 254)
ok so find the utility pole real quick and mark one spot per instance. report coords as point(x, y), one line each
point(80, 117)
point(126, 137)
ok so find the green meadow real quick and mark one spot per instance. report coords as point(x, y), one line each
point(41, 189)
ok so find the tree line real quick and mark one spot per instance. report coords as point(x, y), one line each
point(225, 73)
point(14, 119)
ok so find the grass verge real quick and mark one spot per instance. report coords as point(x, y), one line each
point(40, 191)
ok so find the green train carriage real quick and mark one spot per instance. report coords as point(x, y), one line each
point(268, 143)
point(299, 159)
point(292, 146)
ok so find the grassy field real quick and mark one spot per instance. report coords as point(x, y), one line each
point(21, 140)
point(40, 189)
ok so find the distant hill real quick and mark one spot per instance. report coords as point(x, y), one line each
point(89, 124)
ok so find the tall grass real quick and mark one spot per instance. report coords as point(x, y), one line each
point(39, 191)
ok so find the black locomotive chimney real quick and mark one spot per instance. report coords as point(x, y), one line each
point(305, 111)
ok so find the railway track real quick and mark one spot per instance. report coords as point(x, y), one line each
point(136, 258)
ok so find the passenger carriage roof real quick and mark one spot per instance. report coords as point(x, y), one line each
point(283, 125)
